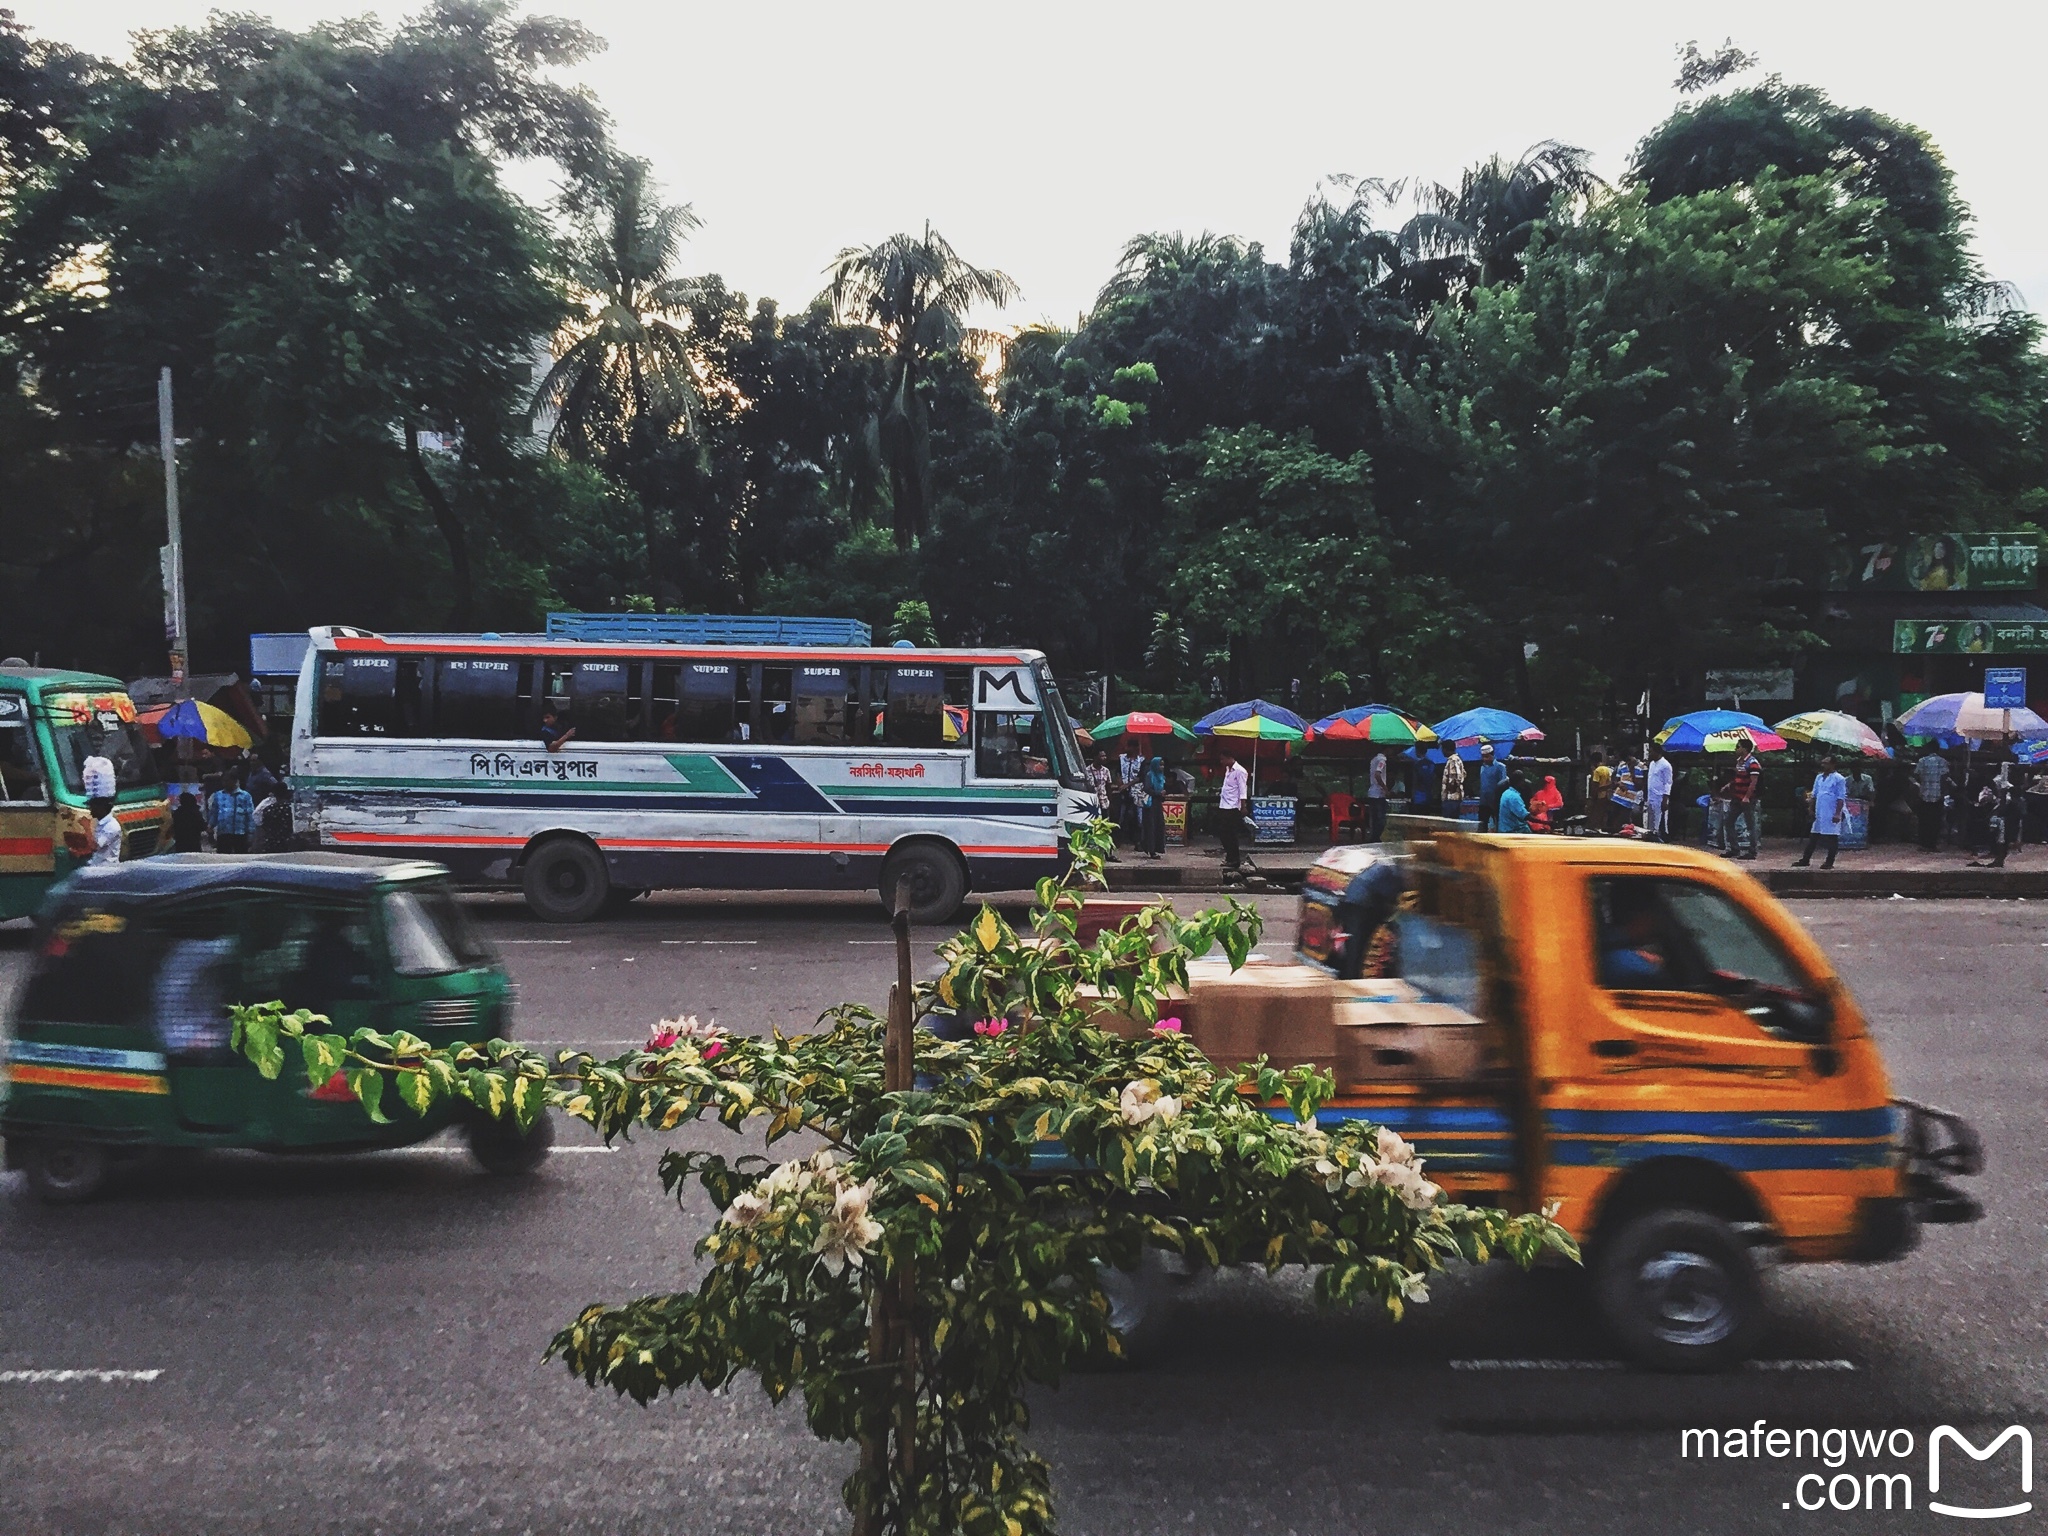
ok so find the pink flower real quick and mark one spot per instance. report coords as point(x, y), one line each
point(991, 1027)
point(1166, 1027)
point(663, 1037)
point(714, 1050)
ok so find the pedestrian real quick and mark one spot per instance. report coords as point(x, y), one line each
point(1130, 768)
point(1829, 793)
point(2005, 818)
point(1746, 805)
point(1600, 794)
point(1098, 780)
point(230, 812)
point(1230, 812)
point(1452, 785)
point(1657, 796)
point(1153, 827)
point(1493, 778)
point(106, 831)
point(188, 824)
point(1546, 806)
point(261, 782)
point(273, 821)
point(1512, 810)
point(1376, 798)
point(1627, 793)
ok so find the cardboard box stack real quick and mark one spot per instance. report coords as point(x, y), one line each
point(1284, 1012)
point(1388, 1032)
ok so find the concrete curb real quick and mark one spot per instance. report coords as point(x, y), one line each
point(1925, 884)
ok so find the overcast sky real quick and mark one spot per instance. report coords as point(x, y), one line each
point(1039, 136)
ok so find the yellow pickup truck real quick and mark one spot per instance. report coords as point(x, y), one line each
point(1641, 1037)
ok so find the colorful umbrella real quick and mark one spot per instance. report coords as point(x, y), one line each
point(1140, 722)
point(1494, 725)
point(1964, 714)
point(1688, 733)
point(1832, 728)
point(1255, 720)
point(1743, 738)
point(1378, 723)
point(189, 719)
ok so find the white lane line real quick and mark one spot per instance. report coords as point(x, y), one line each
point(536, 941)
point(710, 941)
point(464, 1151)
point(890, 942)
point(37, 1378)
point(1623, 1365)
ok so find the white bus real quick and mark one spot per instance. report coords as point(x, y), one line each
point(732, 767)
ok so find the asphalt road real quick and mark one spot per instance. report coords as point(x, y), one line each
point(351, 1345)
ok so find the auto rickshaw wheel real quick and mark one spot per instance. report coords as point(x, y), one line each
point(1680, 1291)
point(65, 1172)
point(501, 1148)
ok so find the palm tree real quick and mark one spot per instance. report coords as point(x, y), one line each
point(623, 380)
point(1476, 234)
point(916, 293)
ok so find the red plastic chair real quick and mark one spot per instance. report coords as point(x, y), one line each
point(1341, 808)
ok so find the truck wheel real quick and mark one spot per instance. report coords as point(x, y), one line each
point(65, 1172)
point(565, 881)
point(501, 1148)
point(1679, 1291)
point(937, 883)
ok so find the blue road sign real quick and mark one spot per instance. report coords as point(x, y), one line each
point(2005, 687)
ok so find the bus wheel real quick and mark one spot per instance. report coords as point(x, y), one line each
point(565, 881)
point(1679, 1290)
point(937, 882)
point(500, 1147)
point(65, 1172)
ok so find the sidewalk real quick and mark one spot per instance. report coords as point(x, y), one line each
point(1885, 869)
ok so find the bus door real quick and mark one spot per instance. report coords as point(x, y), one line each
point(28, 819)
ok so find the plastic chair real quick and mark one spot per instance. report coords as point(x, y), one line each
point(1342, 809)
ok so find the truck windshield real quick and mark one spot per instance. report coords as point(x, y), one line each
point(82, 727)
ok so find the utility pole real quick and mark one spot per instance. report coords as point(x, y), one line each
point(174, 552)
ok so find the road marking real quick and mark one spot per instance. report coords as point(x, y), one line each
point(892, 943)
point(1623, 1365)
point(464, 1151)
point(536, 941)
point(37, 1378)
point(710, 941)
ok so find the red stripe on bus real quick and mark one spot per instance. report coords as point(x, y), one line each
point(708, 845)
point(597, 650)
point(15, 847)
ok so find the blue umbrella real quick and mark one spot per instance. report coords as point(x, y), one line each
point(1233, 714)
point(1495, 725)
point(1689, 733)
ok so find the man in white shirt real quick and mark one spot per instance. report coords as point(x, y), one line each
point(1230, 812)
point(1376, 797)
point(1657, 796)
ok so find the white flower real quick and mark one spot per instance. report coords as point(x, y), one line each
point(1408, 1185)
point(745, 1210)
point(1329, 1174)
point(1391, 1148)
point(791, 1178)
point(1362, 1175)
point(849, 1232)
point(1143, 1101)
point(1414, 1289)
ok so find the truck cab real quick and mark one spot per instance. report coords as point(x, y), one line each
point(1663, 1057)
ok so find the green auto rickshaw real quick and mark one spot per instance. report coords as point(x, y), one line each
point(119, 1042)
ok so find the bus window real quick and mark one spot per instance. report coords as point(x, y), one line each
point(705, 710)
point(21, 768)
point(478, 697)
point(743, 703)
point(820, 706)
point(359, 696)
point(1010, 746)
point(960, 687)
point(778, 704)
point(916, 716)
point(597, 699)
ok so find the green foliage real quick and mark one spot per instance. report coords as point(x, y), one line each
point(910, 1278)
point(912, 621)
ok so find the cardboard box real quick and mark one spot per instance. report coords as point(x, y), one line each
point(1285, 1013)
point(1413, 1042)
point(1111, 1019)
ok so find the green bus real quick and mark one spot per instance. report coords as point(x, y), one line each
point(50, 723)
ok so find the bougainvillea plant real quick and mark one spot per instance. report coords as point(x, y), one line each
point(935, 1249)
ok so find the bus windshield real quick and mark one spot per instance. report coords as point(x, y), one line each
point(82, 727)
point(1066, 750)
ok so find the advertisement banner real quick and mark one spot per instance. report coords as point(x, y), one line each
point(1966, 637)
point(1174, 810)
point(1941, 562)
point(1730, 685)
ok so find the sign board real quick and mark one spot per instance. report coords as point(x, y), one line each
point(1273, 818)
point(1940, 562)
point(1005, 688)
point(1760, 683)
point(2005, 687)
point(1174, 811)
point(1967, 637)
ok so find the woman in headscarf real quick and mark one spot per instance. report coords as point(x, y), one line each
point(1154, 842)
point(1544, 804)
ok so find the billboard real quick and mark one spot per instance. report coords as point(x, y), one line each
point(1966, 637)
point(1940, 562)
